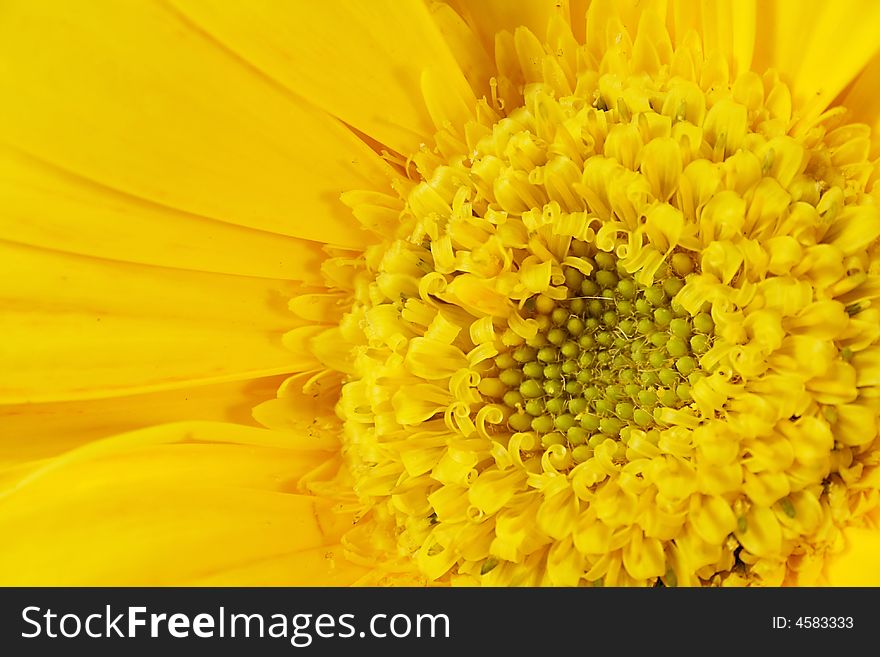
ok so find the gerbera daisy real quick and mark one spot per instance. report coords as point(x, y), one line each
point(501, 293)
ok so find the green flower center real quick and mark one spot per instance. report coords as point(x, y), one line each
point(605, 359)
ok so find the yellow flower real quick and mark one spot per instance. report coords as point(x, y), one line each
point(519, 293)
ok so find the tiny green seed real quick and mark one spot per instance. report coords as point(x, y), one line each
point(626, 288)
point(654, 295)
point(577, 405)
point(610, 426)
point(524, 354)
point(575, 326)
point(542, 424)
point(553, 387)
point(606, 279)
point(589, 422)
point(505, 361)
point(577, 306)
point(647, 397)
point(564, 422)
point(570, 367)
point(604, 339)
point(553, 371)
point(589, 288)
point(668, 397)
point(548, 355)
point(512, 398)
point(682, 264)
point(685, 365)
point(672, 286)
point(573, 388)
point(610, 319)
point(643, 307)
point(559, 316)
point(533, 370)
point(570, 349)
point(642, 417)
point(700, 344)
point(596, 440)
point(624, 410)
point(662, 317)
point(531, 389)
point(632, 389)
point(576, 435)
point(657, 339)
point(511, 377)
point(555, 405)
point(668, 376)
point(581, 453)
point(605, 260)
point(703, 323)
point(552, 438)
point(684, 392)
point(676, 347)
point(680, 328)
point(535, 407)
point(519, 422)
point(556, 336)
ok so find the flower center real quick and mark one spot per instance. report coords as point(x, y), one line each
point(624, 332)
point(608, 357)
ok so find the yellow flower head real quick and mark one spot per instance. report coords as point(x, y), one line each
point(581, 295)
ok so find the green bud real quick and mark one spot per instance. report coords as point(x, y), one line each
point(552, 438)
point(668, 376)
point(700, 344)
point(504, 361)
point(626, 288)
point(676, 347)
point(519, 422)
point(685, 365)
point(542, 424)
point(642, 417)
point(570, 349)
point(606, 279)
point(662, 317)
point(655, 296)
point(524, 354)
point(576, 436)
point(511, 378)
point(672, 286)
point(589, 422)
point(624, 410)
point(657, 339)
point(589, 288)
point(581, 453)
point(535, 407)
point(680, 328)
point(531, 389)
point(564, 422)
point(548, 355)
point(553, 371)
point(555, 405)
point(577, 405)
point(512, 398)
point(533, 370)
point(575, 326)
point(610, 426)
point(703, 323)
point(647, 397)
point(556, 336)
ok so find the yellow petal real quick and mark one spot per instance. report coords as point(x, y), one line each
point(858, 564)
point(818, 47)
point(76, 327)
point(863, 101)
point(490, 16)
point(360, 61)
point(168, 505)
point(39, 431)
point(726, 27)
point(132, 97)
point(44, 206)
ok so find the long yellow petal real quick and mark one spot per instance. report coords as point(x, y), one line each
point(33, 432)
point(863, 101)
point(858, 564)
point(133, 97)
point(360, 60)
point(168, 505)
point(44, 206)
point(76, 327)
point(819, 47)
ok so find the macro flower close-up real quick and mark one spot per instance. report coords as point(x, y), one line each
point(410, 292)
